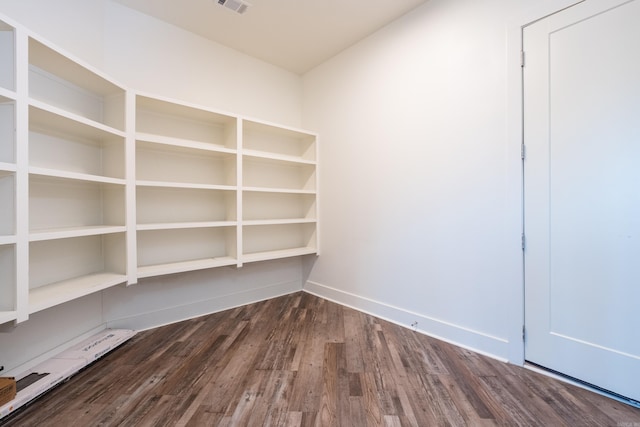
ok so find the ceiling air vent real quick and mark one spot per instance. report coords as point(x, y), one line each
point(237, 6)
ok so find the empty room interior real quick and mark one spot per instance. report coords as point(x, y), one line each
point(301, 212)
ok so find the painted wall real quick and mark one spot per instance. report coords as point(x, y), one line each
point(419, 180)
point(148, 55)
point(152, 56)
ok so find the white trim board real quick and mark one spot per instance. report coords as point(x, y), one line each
point(487, 345)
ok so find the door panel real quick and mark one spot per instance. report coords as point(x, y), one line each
point(582, 194)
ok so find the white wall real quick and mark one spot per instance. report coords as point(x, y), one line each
point(146, 54)
point(75, 25)
point(419, 215)
point(151, 56)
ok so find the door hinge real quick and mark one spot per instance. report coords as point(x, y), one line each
point(523, 242)
point(524, 333)
point(523, 151)
point(522, 58)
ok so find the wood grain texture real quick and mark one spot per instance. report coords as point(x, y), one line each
point(299, 360)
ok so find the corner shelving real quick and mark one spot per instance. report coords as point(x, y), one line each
point(279, 192)
point(101, 185)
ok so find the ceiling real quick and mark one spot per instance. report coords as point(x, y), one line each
point(296, 35)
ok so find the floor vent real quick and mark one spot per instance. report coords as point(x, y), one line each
point(45, 376)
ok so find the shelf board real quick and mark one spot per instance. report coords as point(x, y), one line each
point(274, 128)
point(7, 169)
point(277, 157)
point(182, 225)
point(284, 221)
point(75, 117)
point(182, 143)
point(8, 316)
point(283, 253)
point(57, 293)
point(277, 190)
point(8, 240)
point(143, 183)
point(55, 173)
point(44, 118)
point(7, 95)
point(179, 267)
point(152, 103)
point(66, 232)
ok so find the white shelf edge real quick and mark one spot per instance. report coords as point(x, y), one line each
point(166, 184)
point(57, 293)
point(8, 316)
point(8, 93)
point(55, 173)
point(285, 221)
point(283, 253)
point(277, 190)
point(182, 225)
point(179, 267)
point(75, 117)
point(182, 143)
point(8, 240)
point(251, 120)
point(181, 103)
point(7, 167)
point(63, 233)
point(279, 157)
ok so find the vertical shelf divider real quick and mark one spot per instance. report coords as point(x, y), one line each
point(239, 192)
point(130, 189)
point(22, 174)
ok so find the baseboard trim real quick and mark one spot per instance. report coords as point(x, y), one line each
point(488, 345)
point(169, 315)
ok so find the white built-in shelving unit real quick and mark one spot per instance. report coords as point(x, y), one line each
point(8, 171)
point(279, 194)
point(186, 187)
point(76, 166)
point(101, 185)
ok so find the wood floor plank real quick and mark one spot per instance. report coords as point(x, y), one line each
point(300, 360)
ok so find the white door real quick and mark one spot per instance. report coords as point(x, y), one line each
point(582, 193)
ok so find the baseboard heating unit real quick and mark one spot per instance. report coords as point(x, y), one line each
point(61, 367)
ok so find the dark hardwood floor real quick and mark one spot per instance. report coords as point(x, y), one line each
point(299, 360)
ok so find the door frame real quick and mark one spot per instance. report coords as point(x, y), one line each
point(515, 165)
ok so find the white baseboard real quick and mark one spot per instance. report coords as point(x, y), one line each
point(165, 316)
point(488, 345)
